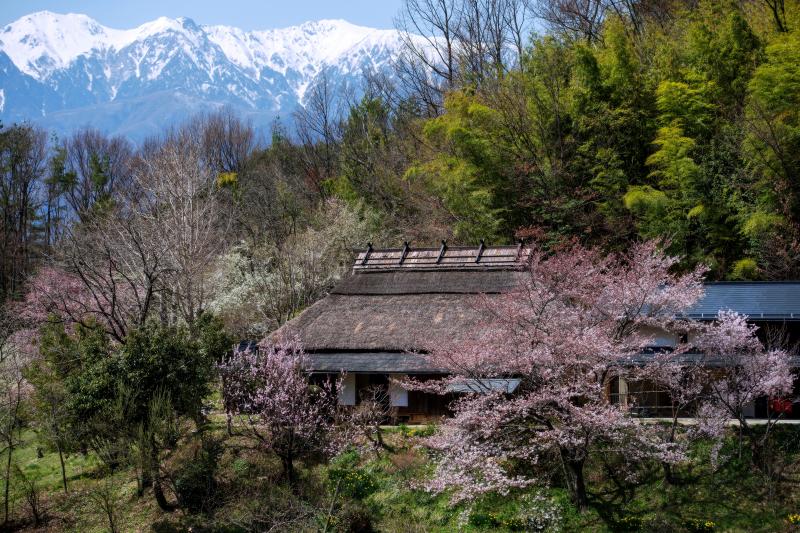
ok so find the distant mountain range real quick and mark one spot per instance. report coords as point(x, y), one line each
point(66, 71)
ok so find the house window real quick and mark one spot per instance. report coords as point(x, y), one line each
point(643, 398)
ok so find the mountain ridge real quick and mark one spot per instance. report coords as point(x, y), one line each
point(63, 71)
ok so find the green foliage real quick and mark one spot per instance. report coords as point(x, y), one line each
point(773, 141)
point(760, 224)
point(674, 167)
point(368, 156)
point(680, 132)
point(698, 525)
point(722, 45)
point(745, 269)
point(178, 359)
point(425, 431)
point(227, 179)
point(240, 491)
point(467, 173)
point(352, 479)
point(78, 366)
point(90, 393)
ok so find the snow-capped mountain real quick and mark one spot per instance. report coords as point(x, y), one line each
point(66, 71)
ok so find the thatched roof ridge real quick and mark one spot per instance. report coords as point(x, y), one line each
point(480, 257)
point(452, 281)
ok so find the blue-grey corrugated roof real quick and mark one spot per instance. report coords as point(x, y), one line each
point(758, 300)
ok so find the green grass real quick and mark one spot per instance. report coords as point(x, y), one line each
point(47, 469)
point(734, 498)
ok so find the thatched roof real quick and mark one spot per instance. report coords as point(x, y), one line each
point(372, 363)
point(385, 322)
point(392, 305)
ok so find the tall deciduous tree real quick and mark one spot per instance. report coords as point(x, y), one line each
point(178, 203)
point(23, 162)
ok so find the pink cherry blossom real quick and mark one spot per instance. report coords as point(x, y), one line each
point(268, 391)
point(573, 325)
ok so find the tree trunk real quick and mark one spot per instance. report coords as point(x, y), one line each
point(144, 481)
point(63, 468)
point(161, 499)
point(155, 475)
point(8, 477)
point(669, 476)
point(111, 523)
point(578, 484)
point(288, 469)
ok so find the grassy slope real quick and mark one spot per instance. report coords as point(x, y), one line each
point(734, 499)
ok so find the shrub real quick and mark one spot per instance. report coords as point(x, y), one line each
point(241, 467)
point(538, 512)
point(354, 517)
point(195, 484)
point(744, 269)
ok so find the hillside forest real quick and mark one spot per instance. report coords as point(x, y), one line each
point(128, 271)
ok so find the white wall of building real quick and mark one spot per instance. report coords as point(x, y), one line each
point(347, 390)
point(397, 394)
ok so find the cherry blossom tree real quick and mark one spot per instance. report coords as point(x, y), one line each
point(56, 294)
point(110, 270)
point(574, 324)
point(268, 391)
point(681, 375)
point(751, 372)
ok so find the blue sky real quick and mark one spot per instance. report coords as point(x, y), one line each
point(246, 14)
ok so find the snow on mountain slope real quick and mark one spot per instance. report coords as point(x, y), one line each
point(65, 68)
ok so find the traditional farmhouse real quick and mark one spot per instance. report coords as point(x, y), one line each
point(394, 304)
point(375, 322)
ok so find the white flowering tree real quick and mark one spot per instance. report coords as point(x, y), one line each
point(258, 288)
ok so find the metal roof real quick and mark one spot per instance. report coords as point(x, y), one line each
point(483, 386)
point(758, 300)
point(691, 357)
